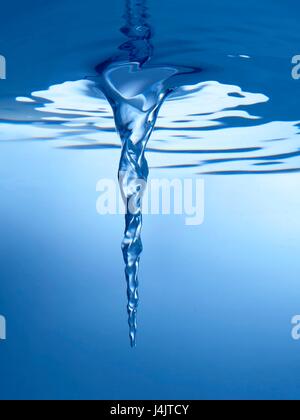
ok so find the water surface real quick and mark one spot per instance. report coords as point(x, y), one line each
point(217, 300)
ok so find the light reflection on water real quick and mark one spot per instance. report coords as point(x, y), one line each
point(210, 127)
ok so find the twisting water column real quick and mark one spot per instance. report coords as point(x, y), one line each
point(136, 92)
point(133, 166)
point(135, 95)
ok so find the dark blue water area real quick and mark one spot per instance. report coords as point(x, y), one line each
point(217, 299)
point(51, 42)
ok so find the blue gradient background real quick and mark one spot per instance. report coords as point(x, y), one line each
point(216, 300)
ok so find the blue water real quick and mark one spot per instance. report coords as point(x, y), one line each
point(216, 301)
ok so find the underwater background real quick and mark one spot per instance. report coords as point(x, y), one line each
point(216, 300)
